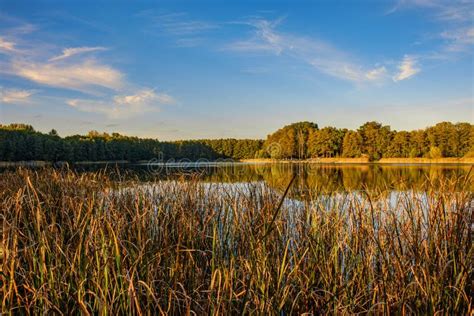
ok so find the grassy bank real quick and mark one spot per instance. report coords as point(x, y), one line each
point(365, 160)
point(427, 160)
point(313, 160)
point(86, 244)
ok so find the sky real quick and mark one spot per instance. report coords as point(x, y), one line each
point(207, 69)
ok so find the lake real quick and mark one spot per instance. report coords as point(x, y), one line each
point(325, 178)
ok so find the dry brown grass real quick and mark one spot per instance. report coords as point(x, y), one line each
point(82, 243)
point(448, 160)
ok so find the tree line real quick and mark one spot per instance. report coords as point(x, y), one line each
point(20, 142)
point(305, 140)
point(302, 140)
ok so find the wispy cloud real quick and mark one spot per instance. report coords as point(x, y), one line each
point(81, 76)
point(7, 46)
point(124, 106)
point(13, 26)
point(143, 97)
point(460, 11)
point(460, 39)
point(264, 39)
point(407, 68)
point(453, 10)
point(454, 16)
point(181, 24)
point(186, 31)
point(68, 52)
point(320, 54)
point(15, 96)
point(106, 89)
point(376, 73)
point(30, 57)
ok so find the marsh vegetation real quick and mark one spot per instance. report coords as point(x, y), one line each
point(96, 243)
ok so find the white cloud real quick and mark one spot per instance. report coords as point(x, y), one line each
point(317, 53)
point(142, 97)
point(31, 59)
point(124, 106)
point(453, 10)
point(6, 46)
point(376, 73)
point(68, 52)
point(459, 39)
point(76, 76)
point(407, 68)
point(265, 38)
point(338, 69)
point(15, 96)
point(183, 29)
point(454, 16)
point(179, 24)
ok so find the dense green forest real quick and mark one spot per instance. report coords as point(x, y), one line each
point(303, 140)
point(20, 142)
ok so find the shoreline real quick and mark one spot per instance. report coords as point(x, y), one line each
point(321, 161)
point(362, 161)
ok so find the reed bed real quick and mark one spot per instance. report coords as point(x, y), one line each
point(84, 243)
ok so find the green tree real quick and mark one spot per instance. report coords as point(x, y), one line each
point(400, 145)
point(326, 142)
point(296, 141)
point(419, 145)
point(444, 136)
point(376, 139)
point(464, 136)
point(435, 152)
point(352, 145)
point(290, 141)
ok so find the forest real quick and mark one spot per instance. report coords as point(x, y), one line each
point(302, 140)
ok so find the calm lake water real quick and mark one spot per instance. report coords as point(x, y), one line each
point(309, 177)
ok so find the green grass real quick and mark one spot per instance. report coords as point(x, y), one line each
point(83, 243)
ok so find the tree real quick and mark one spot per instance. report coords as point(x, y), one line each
point(435, 152)
point(400, 145)
point(375, 138)
point(352, 145)
point(290, 141)
point(418, 144)
point(296, 141)
point(443, 135)
point(326, 142)
point(464, 134)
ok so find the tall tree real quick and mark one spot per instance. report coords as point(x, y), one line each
point(352, 145)
point(419, 145)
point(290, 141)
point(400, 145)
point(376, 139)
point(326, 142)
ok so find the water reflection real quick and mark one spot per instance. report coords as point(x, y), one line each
point(313, 179)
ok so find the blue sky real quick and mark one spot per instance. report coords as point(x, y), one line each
point(196, 69)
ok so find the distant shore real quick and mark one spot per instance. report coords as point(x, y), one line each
point(407, 161)
point(401, 161)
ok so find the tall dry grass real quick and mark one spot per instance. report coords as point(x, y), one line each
point(82, 243)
